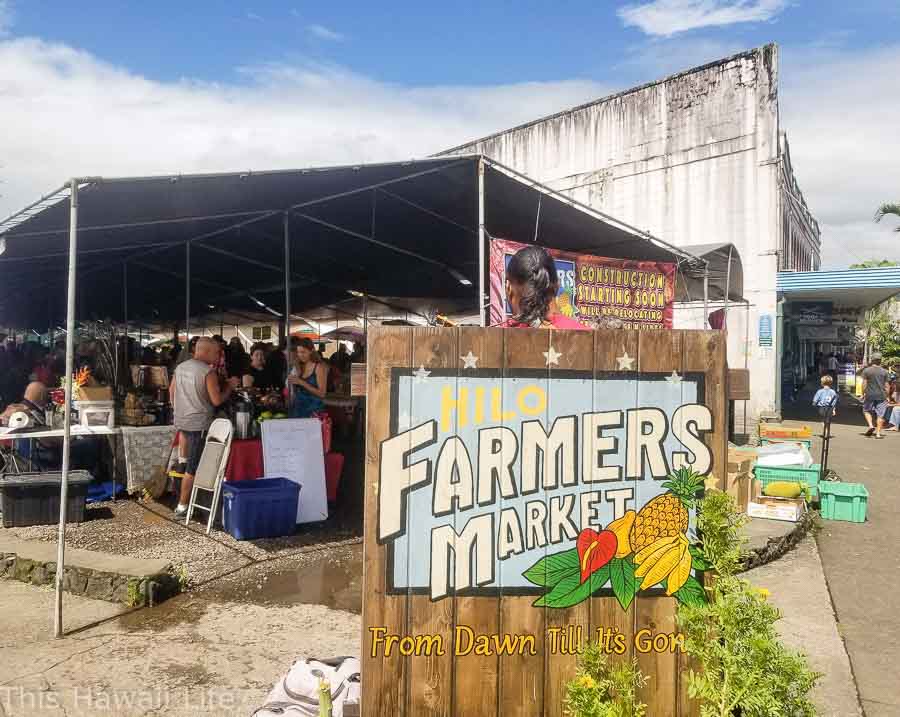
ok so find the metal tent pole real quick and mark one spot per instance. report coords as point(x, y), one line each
point(287, 293)
point(706, 296)
point(727, 284)
point(187, 294)
point(125, 302)
point(67, 407)
point(481, 316)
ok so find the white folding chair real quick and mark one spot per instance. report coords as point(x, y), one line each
point(211, 470)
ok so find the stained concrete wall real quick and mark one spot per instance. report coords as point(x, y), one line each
point(696, 158)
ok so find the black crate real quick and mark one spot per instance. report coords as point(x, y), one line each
point(33, 498)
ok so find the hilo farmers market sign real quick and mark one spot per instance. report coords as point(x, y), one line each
point(638, 293)
point(559, 485)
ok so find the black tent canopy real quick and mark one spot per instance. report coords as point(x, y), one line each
point(403, 229)
point(175, 247)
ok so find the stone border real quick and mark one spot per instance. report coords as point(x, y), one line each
point(128, 590)
point(777, 547)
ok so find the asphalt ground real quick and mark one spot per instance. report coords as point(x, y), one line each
point(862, 561)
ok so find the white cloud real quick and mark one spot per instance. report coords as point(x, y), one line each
point(255, 17)
point(840, 111)
point(668, 17)
point(324, 33)
point(66, 113)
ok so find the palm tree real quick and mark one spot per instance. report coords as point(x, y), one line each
point(889, 208)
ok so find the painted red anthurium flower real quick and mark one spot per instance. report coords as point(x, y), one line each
point(595, 550)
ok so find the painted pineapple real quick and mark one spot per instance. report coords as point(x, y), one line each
point(666, 515)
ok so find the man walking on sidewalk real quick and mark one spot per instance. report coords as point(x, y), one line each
point(875, 398)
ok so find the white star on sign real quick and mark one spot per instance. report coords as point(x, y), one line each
point(469, 361)
point(421, 374)
point(552, 356)
point(674, 379)
point(626, 362)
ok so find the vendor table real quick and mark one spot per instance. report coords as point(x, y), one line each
point(245, 461)
point(58, 432)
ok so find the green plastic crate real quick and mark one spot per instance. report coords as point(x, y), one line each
point(844, 501)
point(809, 476)
point(805, 442)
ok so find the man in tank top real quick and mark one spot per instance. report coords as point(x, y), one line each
point(195, 396)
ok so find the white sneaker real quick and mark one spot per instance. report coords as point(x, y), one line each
point(180, 511)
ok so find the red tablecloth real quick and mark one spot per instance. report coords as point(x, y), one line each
point(245, 461)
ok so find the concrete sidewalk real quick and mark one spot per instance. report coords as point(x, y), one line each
point(862, 563)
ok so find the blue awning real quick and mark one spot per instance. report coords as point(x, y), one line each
point(856, 288)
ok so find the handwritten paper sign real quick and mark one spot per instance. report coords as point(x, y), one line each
point(292, 449)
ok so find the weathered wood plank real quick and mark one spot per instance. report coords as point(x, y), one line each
point(659, 352)
point(576, 349)
point(476, 687)
point(704, 351)
point(383, 680)
point(522, 675)
point(606, 614)
point(431, 676)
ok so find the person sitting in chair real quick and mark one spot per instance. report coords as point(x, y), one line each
point(33, 403)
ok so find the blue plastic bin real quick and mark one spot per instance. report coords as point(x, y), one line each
point(263, 508)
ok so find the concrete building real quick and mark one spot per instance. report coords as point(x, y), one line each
point(696, 158)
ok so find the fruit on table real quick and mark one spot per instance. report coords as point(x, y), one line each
point(621, 527)
point(783, 489)
point(594, 550)
point(667, 514)
point(265, 415)
point(667, 557)
point(280, 415)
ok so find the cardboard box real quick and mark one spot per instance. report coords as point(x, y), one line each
point(95, 393)
point(786, 509)
point(773, 507)
point(739, 480)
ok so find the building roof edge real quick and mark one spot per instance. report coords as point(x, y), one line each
point(607, 98)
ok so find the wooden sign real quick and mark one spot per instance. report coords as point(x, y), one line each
point(528, 491)
point(358, 379)
point(738, 384)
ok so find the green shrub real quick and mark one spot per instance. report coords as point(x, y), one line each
point(603, 690)
point(742, 666)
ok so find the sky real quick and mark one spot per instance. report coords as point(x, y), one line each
point(112, 88)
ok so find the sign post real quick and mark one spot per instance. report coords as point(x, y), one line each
point(528, 491)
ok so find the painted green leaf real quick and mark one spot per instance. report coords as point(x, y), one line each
point(551, 569)
point(624, 584)
point(698, 562)
point(570, 590)
point(691, 593)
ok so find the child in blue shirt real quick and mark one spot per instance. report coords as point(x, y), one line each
point(826, 398)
